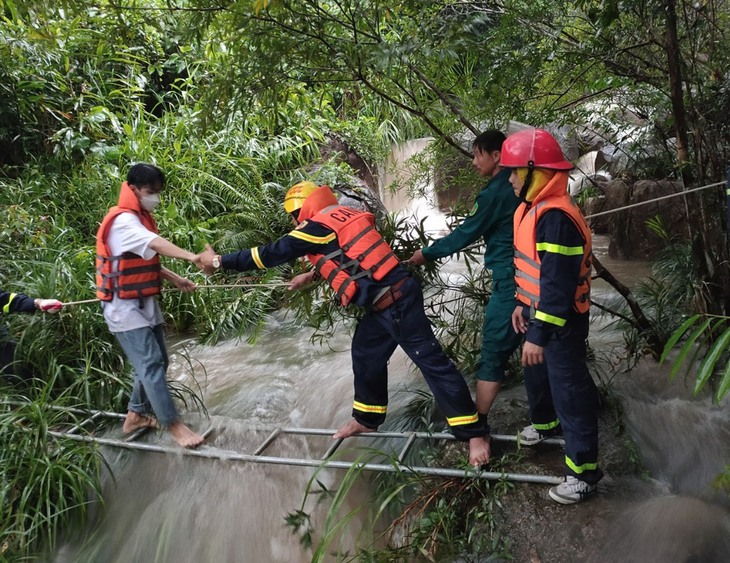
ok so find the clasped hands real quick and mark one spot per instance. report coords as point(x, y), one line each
point(204, 260)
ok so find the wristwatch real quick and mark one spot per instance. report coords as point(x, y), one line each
point(216, 262)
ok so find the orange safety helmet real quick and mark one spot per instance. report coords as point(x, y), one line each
point(533, 148)
point(296, 195)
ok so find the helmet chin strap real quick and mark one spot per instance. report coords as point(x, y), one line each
point(528, 181)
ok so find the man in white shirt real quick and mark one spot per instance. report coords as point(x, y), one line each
point(128, 279)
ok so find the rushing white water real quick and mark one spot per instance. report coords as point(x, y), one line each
point(167, 508)
point(164, 508)
point(421, 205)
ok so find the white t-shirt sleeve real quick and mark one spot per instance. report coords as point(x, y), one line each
point(127, 234)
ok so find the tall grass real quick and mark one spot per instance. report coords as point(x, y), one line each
point(225, 187)
point(46, 485)
point(89, 92)
point(411, 517)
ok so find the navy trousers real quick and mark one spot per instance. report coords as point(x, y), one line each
point(405, 324)
point(561, 389)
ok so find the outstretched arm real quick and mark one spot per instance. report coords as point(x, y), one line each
point(21, 303)
point(164, 247)
point(308, 238)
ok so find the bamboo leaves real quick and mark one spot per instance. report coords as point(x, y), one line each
point(703, 332)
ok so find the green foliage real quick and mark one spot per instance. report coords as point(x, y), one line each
point(69, 73)
point(678, 288)
point(430, 517)
point(708, 334)
point(46, 485)
point(723, 480)
point(301, 522)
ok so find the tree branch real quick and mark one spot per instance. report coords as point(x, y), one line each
point(641, 322)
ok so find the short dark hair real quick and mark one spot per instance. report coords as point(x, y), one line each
point(142, 174)
point(489, 141)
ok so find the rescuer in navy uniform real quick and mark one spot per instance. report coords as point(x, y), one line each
point(18, 303)
point(345, 249)
point(553, 279)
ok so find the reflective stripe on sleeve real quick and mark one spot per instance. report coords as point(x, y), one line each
point(6, 308)
point(257, 258)
point(559, 249)
point(552, 319)
point(313, 238)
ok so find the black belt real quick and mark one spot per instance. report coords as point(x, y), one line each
point(391, 295)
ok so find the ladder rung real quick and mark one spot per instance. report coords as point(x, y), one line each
point(333, 447)
point(268, 441)
point(83, 423)
point(137, 433)
point(404, 451)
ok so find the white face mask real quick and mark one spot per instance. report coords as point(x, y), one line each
point(149, 202)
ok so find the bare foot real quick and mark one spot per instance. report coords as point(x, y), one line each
point(135, 421)
point(479, 451)
point(184, 436)
point(352, 427)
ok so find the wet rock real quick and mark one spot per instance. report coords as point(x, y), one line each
point(631, 237)
point(338, 150)
point(618, 194)
point(597, 204)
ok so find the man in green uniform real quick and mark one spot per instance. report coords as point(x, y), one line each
point(490, 218)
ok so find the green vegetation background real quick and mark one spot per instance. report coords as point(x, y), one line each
point(237, 100)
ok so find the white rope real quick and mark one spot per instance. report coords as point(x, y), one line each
point(66, 304)
point(653, 200)
point(281, 284)
point(212, 286)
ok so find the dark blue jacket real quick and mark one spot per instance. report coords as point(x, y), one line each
point(309, 238)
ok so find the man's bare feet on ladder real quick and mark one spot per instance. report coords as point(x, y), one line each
point(135, 421)
point(479, 451)
point(184, 436)
point(352, 427)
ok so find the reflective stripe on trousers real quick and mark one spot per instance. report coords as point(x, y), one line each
point(562, 388)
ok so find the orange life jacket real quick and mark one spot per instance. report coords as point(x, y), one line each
point(527, 261)
point(128, 276)
point(363, 252)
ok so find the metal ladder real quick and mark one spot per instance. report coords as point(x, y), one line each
point(83, 431)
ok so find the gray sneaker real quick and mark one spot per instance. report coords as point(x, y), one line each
point(529, 436)
point(572, 490)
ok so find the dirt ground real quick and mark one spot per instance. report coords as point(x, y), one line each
point(538, 529)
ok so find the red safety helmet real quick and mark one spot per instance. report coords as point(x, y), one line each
point(533, 148)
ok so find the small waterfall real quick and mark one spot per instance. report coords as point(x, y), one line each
point(683, 442)
point(398, 171)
